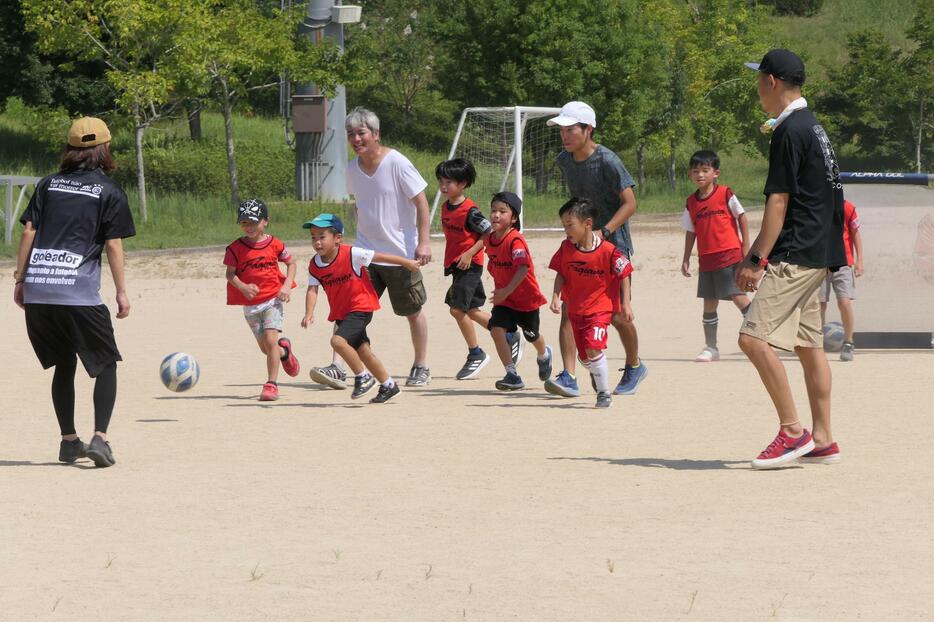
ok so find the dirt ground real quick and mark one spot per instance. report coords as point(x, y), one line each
point(456, 502)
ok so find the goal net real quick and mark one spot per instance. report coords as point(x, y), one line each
point(512, 149)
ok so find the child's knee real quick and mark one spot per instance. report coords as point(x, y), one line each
point(338, 342)
point(457, 313)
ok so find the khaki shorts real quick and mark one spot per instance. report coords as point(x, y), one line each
point(785, 312)
point(406, 289)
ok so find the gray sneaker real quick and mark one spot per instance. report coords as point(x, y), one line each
point(99, 451)
point(510, 382)
point(362, 385)
point(69, 451)
point(846, 352)
point(604, 400)
point(419, 376)
point(332, 376)
point(473, 365)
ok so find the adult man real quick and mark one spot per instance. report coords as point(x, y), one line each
point(595, 173)
point(392, 218)
point(74, 216)
point(801, 237)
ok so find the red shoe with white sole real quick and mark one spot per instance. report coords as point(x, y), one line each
point(825, 455)
point(783, 451)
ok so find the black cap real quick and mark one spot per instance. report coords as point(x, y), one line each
point(783, 64)
point(252, 210)
point(513, 201)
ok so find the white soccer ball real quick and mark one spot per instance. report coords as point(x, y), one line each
point(179, 372)
point(833, 336)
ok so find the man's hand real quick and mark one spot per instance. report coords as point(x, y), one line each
point(748, 277)
point(858, 269)
point(423, 253)
point(18, 297)
point(123, 305)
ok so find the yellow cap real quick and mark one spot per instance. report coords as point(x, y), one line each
point(88, 132)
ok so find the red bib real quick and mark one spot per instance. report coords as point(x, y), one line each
point(259, 265)
point(506, 256)
point(347, 291)
point(715, 228)
point(457, 237)
point(591, 278)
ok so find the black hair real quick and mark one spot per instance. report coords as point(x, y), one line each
point(511, 200)
point(458, 169)
point(581, 209)
point(705, 157)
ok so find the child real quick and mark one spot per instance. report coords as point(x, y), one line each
point(255, 282)
point(463, 226)
point(711, 216)
point(591, 274)
point(843, 280)
point(341, 270)
point(516, 296)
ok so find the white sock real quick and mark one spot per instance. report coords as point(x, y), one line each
point(600, 370)
point(363, 374)
point(390, 383)
point(511, 369)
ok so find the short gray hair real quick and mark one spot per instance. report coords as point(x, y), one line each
point(361, 117)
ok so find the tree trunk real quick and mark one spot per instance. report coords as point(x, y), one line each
point(140, 164)
point(920, 137)
point(640, 164)
point(672, 178)
point(194, 119)
point(231, 155)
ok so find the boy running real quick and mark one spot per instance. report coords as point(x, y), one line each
point(591, 274)
point(843, 281)
point(255, 282)
point(516, 296)
point(341, 270)
point(711, 216)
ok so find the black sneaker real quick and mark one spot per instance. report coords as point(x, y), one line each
point(99, 451)
point(69, 451)
point(544, 365)
point(385, 394)
point(510, 382)
point(604, 399)
point(362, 385)
point(514, 339)
point(419, 376)
point(473, 365)
point(331, 376)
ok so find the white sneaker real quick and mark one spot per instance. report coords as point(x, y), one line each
point(708, 355)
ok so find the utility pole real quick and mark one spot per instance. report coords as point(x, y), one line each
point(318, 122)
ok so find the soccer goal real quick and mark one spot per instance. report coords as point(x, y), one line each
point(512, 149)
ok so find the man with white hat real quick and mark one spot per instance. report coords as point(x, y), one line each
point(596, 173)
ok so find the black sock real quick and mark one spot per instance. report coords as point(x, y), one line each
point(63, 394)
point(105, 395)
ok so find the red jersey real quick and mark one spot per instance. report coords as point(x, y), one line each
point(850, 227)
point(713, 220)
point(506, 255)
point(348, 286)
point(257, 264)
point(458, 237)
point(591, 278)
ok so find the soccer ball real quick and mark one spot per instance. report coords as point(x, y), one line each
point(833, 336)
point(179, 372)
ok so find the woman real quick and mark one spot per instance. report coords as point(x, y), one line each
point(73, 217)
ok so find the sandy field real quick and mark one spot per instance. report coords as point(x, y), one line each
point(455, 502)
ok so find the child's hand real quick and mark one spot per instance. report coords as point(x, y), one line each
point(412, 265)
point(250, 290)
point(555, 305)
point(285, 294)
point(686, 267)
point(626, 312)
point(858, 269)
point(307, 321)
point(497, 297)
point(463, 262)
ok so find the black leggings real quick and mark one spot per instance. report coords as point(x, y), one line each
point(63, 395)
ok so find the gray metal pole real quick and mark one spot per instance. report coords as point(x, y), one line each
point(324, 156)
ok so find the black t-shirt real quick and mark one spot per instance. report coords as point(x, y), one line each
point(802, 163)
point(73, 214)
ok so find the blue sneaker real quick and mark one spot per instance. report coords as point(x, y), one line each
point(544, 365)
point(632, 376)
point(514, 339)
point(510, 382)
point(563, 384)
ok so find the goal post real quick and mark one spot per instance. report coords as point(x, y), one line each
point(512, 149)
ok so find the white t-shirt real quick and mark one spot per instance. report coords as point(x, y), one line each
point(386, 220)
point(359, 258)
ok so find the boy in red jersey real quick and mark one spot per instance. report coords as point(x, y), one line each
point(843, 281)
point(255, 282)
point(711, 216)
point(593, 280)
point(516, 297)
point(341, 270)
point(463, 226)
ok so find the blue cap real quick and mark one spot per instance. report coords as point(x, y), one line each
point(325, 221)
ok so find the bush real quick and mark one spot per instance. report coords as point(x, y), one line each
point(798, 8)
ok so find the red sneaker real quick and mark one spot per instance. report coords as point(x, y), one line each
point(783, 451)
point(289, 363)
point(825, 455)
point(270, 392)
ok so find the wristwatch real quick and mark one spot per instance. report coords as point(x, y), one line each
point(760, 262)
point(606, 233)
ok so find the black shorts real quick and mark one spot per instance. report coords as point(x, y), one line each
point(466, 291)
point(59, 332)
point(511, 320)
point(406, 289)
point(353, 328)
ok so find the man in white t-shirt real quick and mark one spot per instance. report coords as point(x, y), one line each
point(392, 218)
